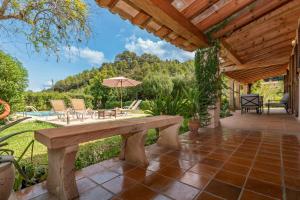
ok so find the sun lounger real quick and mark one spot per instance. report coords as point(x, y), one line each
point(283, 103)
point(80, 110)
point(60, 109)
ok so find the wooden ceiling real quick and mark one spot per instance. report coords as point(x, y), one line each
point(254, 34)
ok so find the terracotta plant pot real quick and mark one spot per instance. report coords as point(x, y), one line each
point(7, 179)
point(194, 125)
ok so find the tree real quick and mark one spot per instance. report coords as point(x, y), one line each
point(48, 23)
point(13, 81)
point(157, 84)
point(98, 91)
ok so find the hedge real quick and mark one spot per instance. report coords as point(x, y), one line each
point(41, 100)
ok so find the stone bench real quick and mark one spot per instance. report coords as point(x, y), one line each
point(62, 144)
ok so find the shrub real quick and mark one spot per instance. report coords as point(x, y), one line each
point(13, 81)
point(41, 100)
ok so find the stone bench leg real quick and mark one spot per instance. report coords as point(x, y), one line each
point(168, 136)
point(133, 148)
point(61, 173)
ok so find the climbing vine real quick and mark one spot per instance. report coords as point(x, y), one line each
point(208, 79)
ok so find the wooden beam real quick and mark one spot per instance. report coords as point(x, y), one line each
point(285, 37)
point(276, 19)
point(169, 16)
point(221, 14)
point(140, 18)
point(197, 7)
point(273, 26)
point(230, 53)
point(282, 45)
point(260, 9)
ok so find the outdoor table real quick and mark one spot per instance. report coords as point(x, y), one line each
point(102, 113)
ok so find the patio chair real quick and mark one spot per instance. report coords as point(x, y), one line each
point(251, 101)
point(60, 109)
point(131, 105)
point(80, 110)
point(134, 107)
point(283, 103)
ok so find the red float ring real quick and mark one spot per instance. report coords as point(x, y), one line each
point(6, 109)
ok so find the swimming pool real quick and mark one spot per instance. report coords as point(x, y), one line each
point(38, 114)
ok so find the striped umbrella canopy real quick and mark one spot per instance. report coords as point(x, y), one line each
point(120, 82)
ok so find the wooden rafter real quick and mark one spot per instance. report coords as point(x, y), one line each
point(260, 9)
point(221, 14)
point(164, 11)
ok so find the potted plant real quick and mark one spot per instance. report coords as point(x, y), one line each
point(192, 104)
point(8, 163)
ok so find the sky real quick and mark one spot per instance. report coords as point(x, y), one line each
point(110, 35)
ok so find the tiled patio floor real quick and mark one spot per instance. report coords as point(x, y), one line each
point(212, 165)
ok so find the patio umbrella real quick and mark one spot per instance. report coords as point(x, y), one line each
point(120, 82)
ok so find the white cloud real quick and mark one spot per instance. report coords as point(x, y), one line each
point(92, 56)
point(160, 48)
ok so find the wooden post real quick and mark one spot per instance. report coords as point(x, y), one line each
point(133, 148)
point(61, 173)
point(168, 136)
point(231, 95)
point(238, 96)
point(249, 85)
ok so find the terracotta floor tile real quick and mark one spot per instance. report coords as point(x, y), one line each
point(212, 162)
point(193, 179)
point(239, 169)
point(157, 182)
point(268, 160)
point(172, 172)
point(264, 188)
point(267, 167)
point(250, 195)
point(223, 190)
point(33, 191)
point(207, 196)
point(103, 176)
point(180, 191)
point(138, 192)
point(292, 165)
point(118, 184)
point(292, 183)
point(122, 168)
point(183, 164)
point(204, 170)
point(217, 156)
point(95, 193)
point(292, 173)
point(164, 159)
point(244, 155)
point(240, 161)
point(155, 166)
point(138, 174)
point(231, 178)
point(292, 194)
point(265, 176)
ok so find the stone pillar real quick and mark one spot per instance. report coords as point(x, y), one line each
point(215, 116)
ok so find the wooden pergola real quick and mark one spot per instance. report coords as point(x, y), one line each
point(256, 35)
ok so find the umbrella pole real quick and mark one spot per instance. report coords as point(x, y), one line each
point(121, 94)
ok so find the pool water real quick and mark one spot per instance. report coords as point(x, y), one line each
point(39, 113)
